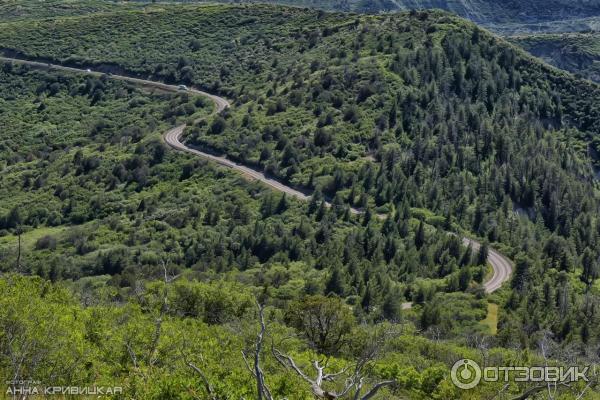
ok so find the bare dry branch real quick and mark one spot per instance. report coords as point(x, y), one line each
point(207, 384)
point(256, 370)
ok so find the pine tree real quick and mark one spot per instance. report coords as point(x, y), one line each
point(483, 254)
point(321, 211)
point(282, 205)
point(522, 269)
point(392, 119)
point(392, 307)
point(464, 278)
point(368, 216)
point(420, 235)
point(315, 199)
point(590, 265)
point(14, 218)
point(266, 205)
point(335, 283)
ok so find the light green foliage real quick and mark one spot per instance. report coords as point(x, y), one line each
point(116, 344)
point(42, 332)
point(325, 321)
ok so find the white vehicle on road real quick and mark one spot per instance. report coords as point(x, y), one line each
point(182, 87)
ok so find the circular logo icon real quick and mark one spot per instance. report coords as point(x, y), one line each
point(465, 374)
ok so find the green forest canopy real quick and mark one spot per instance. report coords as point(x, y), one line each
point(421, 116)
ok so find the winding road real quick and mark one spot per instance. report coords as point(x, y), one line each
point(501, 265)
point(173, 139)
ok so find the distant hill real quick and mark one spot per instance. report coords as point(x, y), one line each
point(576, 52)
point(480, 11)
point(500, 16)
point(25, 9)
point(503, 11)
point(541, 24)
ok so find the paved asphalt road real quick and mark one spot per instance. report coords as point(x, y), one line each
point(501, 265)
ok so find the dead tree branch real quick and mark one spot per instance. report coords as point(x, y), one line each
point(256, 370)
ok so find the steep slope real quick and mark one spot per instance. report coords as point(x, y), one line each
point(371, 83)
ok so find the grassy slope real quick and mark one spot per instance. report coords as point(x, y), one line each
point(491, 319)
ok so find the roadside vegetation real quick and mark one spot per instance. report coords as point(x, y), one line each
point(90, 189)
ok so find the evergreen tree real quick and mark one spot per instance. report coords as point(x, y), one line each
point(482, 255)
point(335, 283)
point(591, 268)
point(420, 236)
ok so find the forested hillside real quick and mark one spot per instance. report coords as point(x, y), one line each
point(93, 191)
point(95, 203)
point(91, 195)
point(421, 120)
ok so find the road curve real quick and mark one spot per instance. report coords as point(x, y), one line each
point(501, 266)
point(219, 102)
point(173, 139)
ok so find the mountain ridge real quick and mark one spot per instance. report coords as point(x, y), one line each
point(480, 11)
